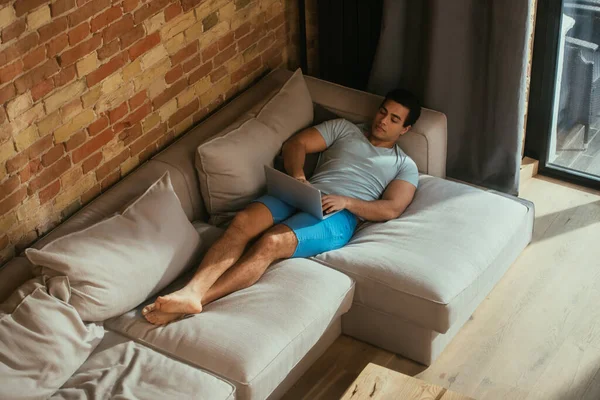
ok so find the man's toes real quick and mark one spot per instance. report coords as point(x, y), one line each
point(150, 317)
point(160, 318)
point(156, 318)
point(148, 308)
point(160, 301)
point(167, 318)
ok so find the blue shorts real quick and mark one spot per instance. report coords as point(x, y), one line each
point(314, 236)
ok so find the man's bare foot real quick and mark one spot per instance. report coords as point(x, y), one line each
point(183, 301)
point(162, 318)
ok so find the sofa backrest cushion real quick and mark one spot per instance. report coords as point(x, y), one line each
point(231, 165)
point(117, 263)
point(290, 109)
point(230, 168)
point(43, 339)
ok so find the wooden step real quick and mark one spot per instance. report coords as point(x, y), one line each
point(529, 169)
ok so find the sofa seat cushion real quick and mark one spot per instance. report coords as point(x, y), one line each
point(122, 368)
point(255, 336)
point(425, 266)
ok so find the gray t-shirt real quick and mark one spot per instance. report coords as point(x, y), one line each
point(351, 166)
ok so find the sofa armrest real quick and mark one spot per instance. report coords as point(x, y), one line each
point(425, 143)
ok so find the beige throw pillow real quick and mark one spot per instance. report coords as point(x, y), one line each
point(231, 165)
point(117, 263)
point(291, 109)
point(43, 340)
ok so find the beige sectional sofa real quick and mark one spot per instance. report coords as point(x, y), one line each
point(407, 285)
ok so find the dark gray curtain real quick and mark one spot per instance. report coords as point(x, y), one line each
point(348, 36)
point(468, 59)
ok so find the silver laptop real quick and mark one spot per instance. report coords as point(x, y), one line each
point(292, 191)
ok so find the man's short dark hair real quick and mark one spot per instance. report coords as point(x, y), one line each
point(408, 100)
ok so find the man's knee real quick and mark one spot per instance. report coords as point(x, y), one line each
point(279, 242)
point(270, 241)
point(241, 220)
point(241, 225)
point(251, 221)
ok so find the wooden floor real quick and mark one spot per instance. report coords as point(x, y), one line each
point(537, 334)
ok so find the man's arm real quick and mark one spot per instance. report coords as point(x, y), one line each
point(396, 198)
point(297, 147)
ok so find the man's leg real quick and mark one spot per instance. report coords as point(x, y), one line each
point(277, 243)
point(246, 225)
point(302, 235)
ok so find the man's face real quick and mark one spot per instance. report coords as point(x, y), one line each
point(388, 124)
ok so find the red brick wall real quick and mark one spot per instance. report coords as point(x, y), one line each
point(91, 89)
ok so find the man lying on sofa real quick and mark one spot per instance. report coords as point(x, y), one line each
point(370, 175)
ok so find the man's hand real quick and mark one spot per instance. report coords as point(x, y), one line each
point(333, 202)
point(301, 179)
point(396, 197)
